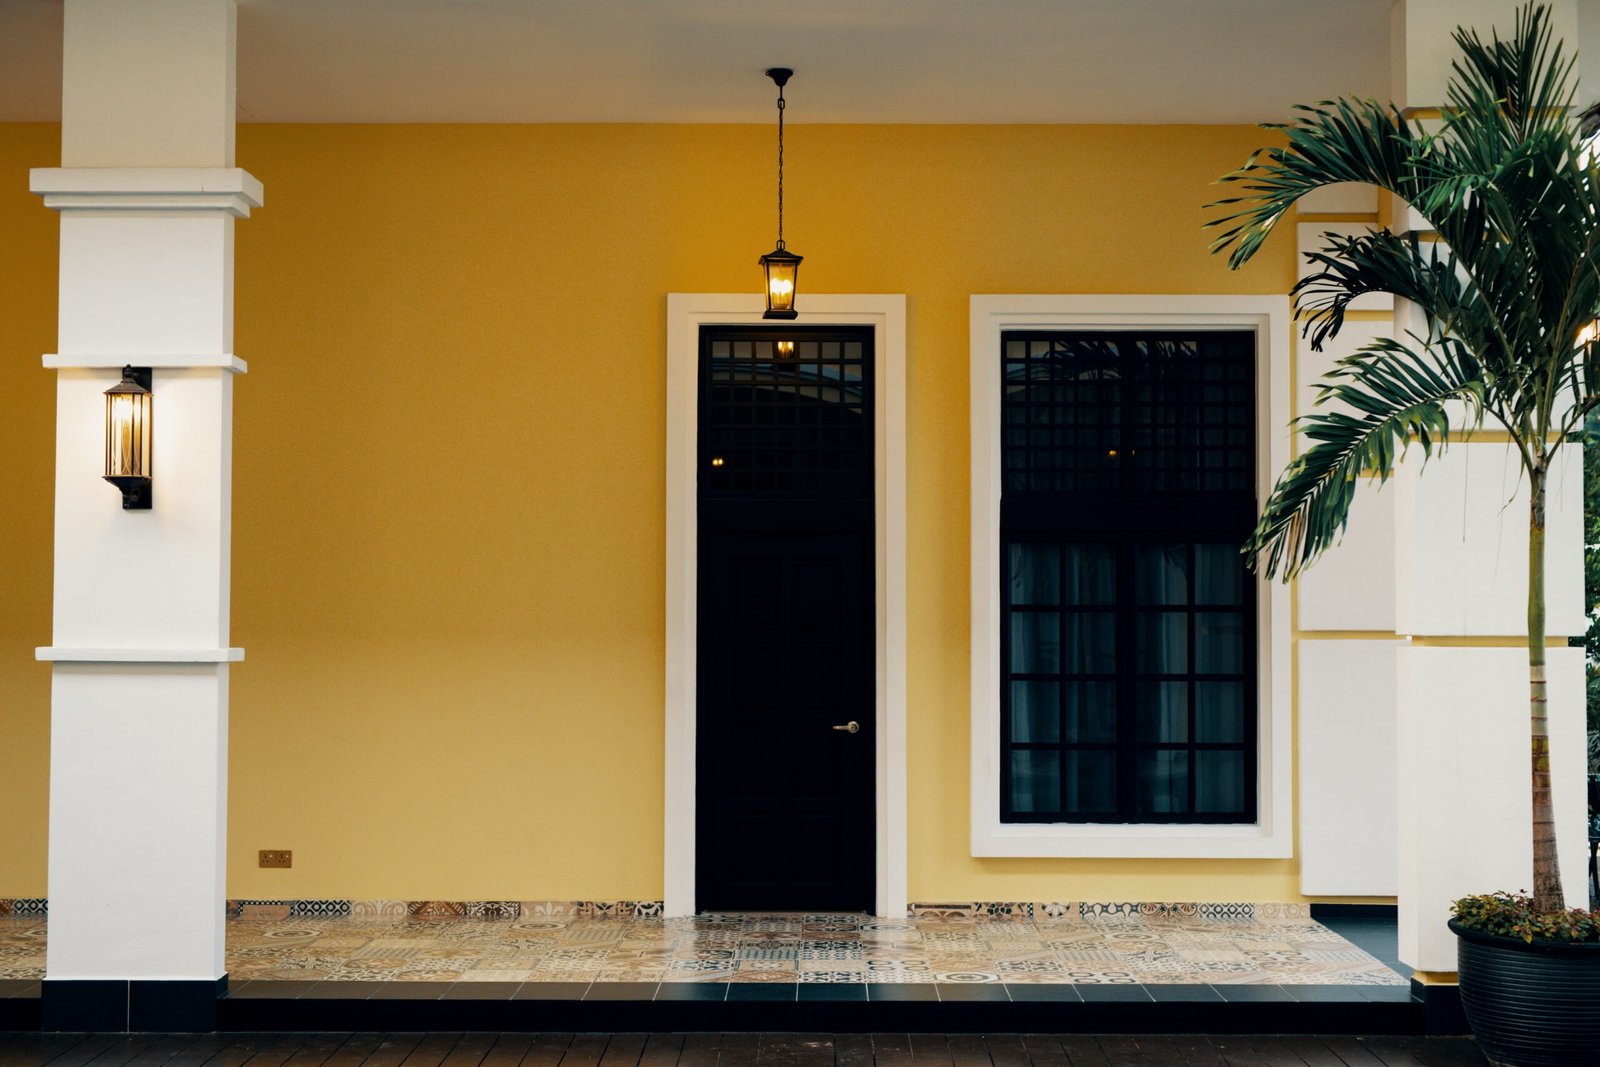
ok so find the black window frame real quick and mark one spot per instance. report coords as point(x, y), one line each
point(1128, 516)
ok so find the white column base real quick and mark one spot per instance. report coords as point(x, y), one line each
point(138, 817)
point(1465, 782)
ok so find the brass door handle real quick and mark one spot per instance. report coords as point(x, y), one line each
point(851, 727)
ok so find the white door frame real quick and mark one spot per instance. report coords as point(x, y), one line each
point(886, 314)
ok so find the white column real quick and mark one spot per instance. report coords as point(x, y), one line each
point(1345, 640)
point(148, 195)
point(1460, 584)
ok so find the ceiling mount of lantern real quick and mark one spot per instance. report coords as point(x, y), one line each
point(780, 267)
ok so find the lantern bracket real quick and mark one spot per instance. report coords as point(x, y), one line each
point(136, 495)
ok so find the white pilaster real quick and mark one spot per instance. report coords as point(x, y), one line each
point(148, 195)
point(1460, 539)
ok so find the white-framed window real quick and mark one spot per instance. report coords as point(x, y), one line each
point(1098, 729)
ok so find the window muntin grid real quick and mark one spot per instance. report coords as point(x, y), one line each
point(1127, 647)
point(785, 413)
point(1127, 413)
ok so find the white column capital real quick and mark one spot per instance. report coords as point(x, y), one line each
point(139, 189)
point(60, 654)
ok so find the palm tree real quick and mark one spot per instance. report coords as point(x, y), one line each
point(1509, 291)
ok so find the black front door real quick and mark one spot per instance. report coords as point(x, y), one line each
point(786, 708)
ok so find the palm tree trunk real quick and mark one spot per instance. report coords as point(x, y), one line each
point(1547, 895)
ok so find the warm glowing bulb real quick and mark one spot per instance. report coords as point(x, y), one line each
point(122, 435)
point(785, 348)
point(716, 461)
point(781, 287)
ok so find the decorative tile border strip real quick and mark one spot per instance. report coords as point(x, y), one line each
point(10, 906)
point(1067, 911)
point(444, 909)
point(1046, 911)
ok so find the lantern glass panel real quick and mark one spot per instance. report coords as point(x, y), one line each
point(780, 286)
point(781, 268)
point(128, 435)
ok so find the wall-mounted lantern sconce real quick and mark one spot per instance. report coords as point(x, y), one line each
point(128, 437)
point(780, 266)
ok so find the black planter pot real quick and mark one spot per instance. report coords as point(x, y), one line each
point(1532, 1005)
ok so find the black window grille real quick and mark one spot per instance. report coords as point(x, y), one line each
point(786, 414)
point(1128, 688)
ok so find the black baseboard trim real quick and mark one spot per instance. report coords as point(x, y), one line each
point(1390, 912)
point(1441, 1005)
point(130, 1006)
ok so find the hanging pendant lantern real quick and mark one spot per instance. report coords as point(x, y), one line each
point(128, 405)
point(780, 267)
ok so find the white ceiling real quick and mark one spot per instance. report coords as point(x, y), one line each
point(895, 61)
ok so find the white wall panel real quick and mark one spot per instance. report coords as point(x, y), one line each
point(1345, 198)
point(1461, 537)
point(1352, 586)
point(1465, 807)
point(1348, 769)
point(153, 579)
point(1313, 367)
point(154, 284)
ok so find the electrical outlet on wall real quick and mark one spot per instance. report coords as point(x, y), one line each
point(276, 857)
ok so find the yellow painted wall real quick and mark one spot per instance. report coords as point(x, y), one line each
point(27, 498)
point(448, 529)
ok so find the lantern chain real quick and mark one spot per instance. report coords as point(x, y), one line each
point(780, 165)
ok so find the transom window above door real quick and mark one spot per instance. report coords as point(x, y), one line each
point(1127, 639)
point(786, 415)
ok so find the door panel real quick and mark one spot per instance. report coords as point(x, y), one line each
point(786, 632)
point(785, 801)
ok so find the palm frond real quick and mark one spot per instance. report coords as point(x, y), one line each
point(1349, 267)
point(1396, 394)
point(1525, 78)
point(1509, 281)
point(1330, 142)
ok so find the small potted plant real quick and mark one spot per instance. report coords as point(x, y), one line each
point(1511, 292)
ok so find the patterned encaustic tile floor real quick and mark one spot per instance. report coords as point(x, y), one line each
point(1116, 949)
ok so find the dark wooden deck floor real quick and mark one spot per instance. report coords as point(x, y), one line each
point(725, 1050)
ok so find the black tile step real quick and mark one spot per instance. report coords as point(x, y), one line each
point(840, 1008)
point(792, 1007)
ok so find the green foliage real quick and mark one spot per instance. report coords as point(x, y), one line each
point(1508, 289)
point(1514, 916)
point(1509, 292)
